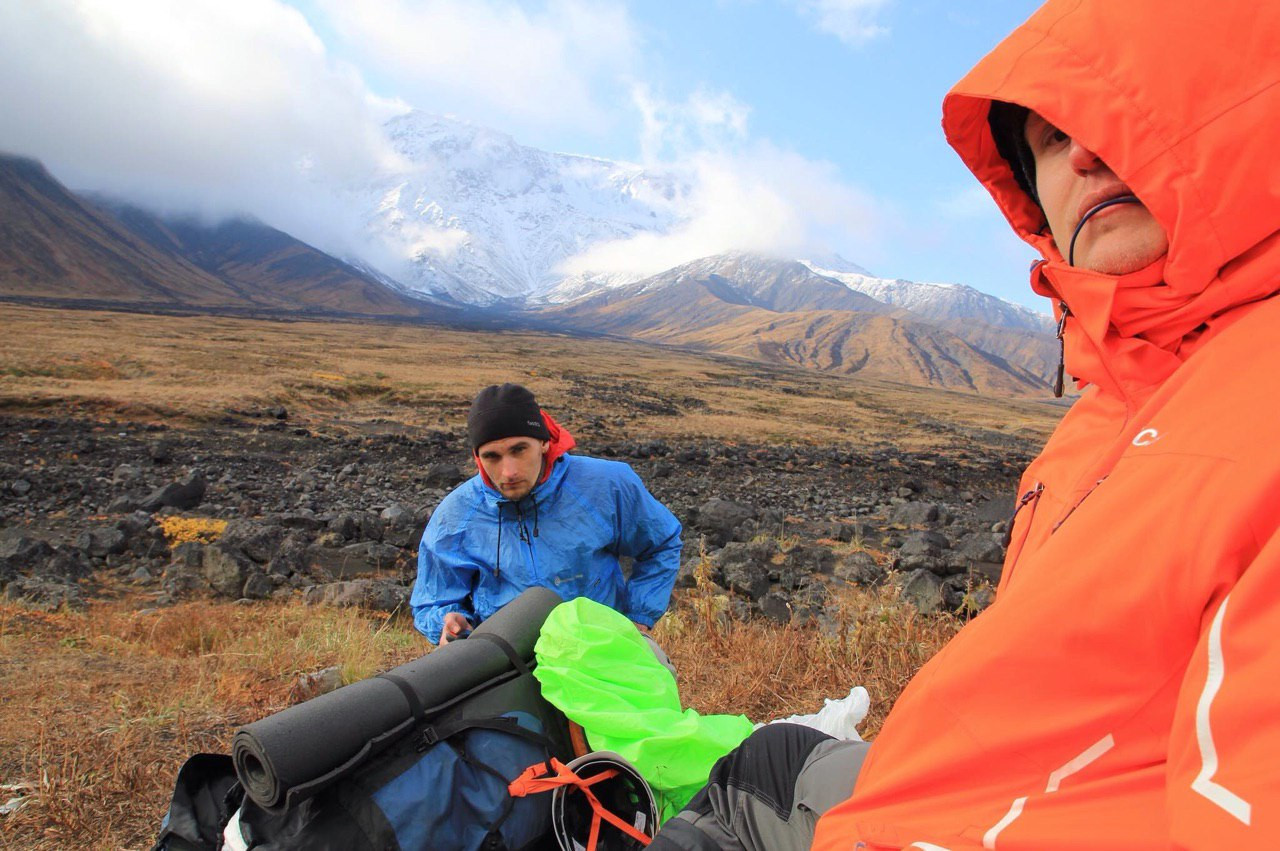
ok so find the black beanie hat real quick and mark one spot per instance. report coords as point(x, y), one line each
point(502, 411)
point(1008, 126)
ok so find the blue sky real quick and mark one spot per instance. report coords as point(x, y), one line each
point(827, 109)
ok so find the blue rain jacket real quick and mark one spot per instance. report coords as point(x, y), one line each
point(480, 549)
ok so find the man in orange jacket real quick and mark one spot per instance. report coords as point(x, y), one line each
point(1122, 692)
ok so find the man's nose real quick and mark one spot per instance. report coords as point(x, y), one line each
point(1082, 159)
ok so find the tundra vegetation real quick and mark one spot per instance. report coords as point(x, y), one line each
point(100, 704)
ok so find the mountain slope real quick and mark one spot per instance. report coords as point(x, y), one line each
point(271, 264)
point(56, 245)
point(783, 313)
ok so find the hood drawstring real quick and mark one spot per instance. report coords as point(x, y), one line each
point(535, 516)
point(1062, 350)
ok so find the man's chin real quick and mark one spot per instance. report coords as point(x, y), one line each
point(514, 493)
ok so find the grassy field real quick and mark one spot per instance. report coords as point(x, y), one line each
point(99, 708)
point(195, 369)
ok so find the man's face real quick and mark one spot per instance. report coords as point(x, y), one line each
point(1071, 180)
point(513, 464)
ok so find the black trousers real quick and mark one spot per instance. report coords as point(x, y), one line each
point(767, 794)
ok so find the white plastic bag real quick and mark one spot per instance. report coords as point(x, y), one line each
point(839, 718)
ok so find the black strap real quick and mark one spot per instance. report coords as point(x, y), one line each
point(415, 703)
point(439, 732)
point(505, 648)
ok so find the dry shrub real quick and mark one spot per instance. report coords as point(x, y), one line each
point(100, 708)
point(181, 530)
point(767, 671)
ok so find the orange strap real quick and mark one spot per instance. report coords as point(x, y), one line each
point(539, 778)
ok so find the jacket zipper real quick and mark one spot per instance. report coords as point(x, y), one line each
point(1062, 350)
point(1031, 498)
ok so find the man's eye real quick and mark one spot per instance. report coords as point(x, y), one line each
point(1054, 137)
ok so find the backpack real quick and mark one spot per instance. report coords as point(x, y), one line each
point(320, 776)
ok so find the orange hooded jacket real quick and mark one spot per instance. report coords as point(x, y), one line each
point(1124, 689)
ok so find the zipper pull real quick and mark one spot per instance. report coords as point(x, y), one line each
point(1062, 350)
point(1022, 501)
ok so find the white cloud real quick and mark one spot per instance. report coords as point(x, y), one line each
point(210, 106)
point(970, 202)
point(742, 195)
point(851, 21)
point(495, 60)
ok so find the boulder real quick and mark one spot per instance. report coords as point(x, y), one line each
point(102, 541)
point(225, 569)
point(859, 567)
point(923, 590)
point(183, 495)
point(444, 476)
point(45, 595)
point(915, 514)
point(351, 561)
point(376, 594)
point(776, 607)
point(719, 518)
point(257, 541)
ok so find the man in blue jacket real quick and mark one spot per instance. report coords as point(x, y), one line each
point(535, 515)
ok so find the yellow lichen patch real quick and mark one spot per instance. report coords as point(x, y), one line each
point(180, 530)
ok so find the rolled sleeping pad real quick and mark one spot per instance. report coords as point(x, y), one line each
point(287, 757)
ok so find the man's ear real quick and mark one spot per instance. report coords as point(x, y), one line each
point(546, 445)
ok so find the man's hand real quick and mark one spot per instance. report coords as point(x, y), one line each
point(646, 630)
point(455, 623)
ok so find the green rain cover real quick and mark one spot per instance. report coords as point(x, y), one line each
point(596, 668)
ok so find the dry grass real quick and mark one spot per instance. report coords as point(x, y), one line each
point(100, 708)
point(348, 374)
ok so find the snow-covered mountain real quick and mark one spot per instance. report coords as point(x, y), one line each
point(938, 302)
point(480, 218)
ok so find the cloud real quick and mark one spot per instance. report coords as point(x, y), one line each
point(739, 194)
point(851, 21)
point(556, 65)
point(971, 202)
point(210, 106)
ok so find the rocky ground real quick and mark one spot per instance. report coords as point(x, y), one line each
point(84, 508)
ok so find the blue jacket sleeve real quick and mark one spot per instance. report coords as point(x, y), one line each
point(650, 535)
point(444, 582)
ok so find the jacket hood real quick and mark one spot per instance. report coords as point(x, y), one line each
point(561, 442)
point(1182, 102)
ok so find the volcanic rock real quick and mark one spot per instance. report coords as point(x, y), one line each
point(184, 495)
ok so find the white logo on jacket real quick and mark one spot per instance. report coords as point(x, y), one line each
point(1146, 437)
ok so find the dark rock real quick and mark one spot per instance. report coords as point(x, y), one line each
point(123, 505)
point(444, 476)
point(126, 474)
point(278, 412)
point(102, 541)
point(981, 547)
point(915, 514)
point(318, 683)
point(352, 561)
point(775, 607)
point(141, 576)
point(258, 586)
point(298, 520)
point(44, 595)
point(346, 525)
point(859, 567)
point(923, 590)
point(225, 569)
point(745, 568)
point(160, 452)
point(720, 518)
point(378, 595)
point(183, 495)
point(20, 487)
point(257, 541)
point(64, 566)
point(833, 530)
